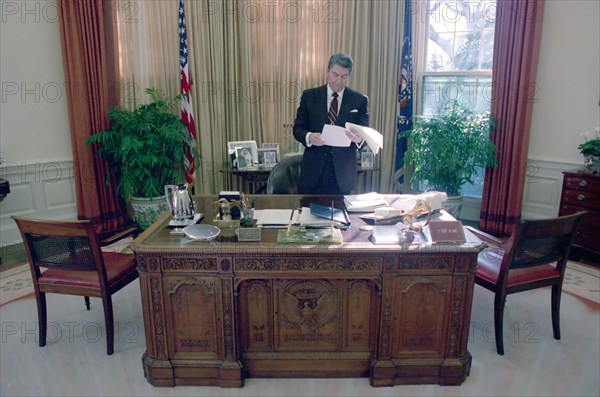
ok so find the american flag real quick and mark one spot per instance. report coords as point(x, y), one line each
point(187, 116)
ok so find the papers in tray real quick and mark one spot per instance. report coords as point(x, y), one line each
point(366, 202)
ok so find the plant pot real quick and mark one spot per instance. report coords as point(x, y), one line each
point(147, 210)
point(453, 205)
point(592, 163)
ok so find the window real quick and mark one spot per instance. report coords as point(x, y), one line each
point(457, 60)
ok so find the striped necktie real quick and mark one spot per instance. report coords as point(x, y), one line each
point(333, 109)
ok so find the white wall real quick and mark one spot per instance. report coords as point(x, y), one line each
point(34, 133)
point(35, 143)
point(33, 124)
point(568, 97)
point(567, 100)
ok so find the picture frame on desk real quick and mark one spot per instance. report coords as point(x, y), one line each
point(244, 157)
point(366, 159)
point(250, 145)
point(274, 146)
point(267, 157)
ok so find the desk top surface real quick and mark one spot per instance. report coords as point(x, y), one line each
point(159, 236)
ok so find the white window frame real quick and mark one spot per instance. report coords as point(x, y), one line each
point(471, 205)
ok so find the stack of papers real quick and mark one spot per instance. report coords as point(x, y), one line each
point(366, 202)
point(334, 135)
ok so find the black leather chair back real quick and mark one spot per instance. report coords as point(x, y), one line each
point(283, 178)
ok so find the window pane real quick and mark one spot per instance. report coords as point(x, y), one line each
point(458, 34)
point(473, 92)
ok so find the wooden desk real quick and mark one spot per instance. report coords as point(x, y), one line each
point(217, 312)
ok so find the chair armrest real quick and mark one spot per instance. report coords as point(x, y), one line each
point(488, 238)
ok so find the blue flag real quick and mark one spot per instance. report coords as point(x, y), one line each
point(405, 95)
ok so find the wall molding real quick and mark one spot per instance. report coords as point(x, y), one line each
point(44, 190)
point(543, 186)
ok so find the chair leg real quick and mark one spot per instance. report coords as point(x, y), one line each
point(87, 302)
point(42, 317)
point(499, 302)
point(556, 290)
point(109, 324)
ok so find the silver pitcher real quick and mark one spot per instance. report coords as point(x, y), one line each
point(180, 202)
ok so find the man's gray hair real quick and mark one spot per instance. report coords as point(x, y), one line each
point(341, 59)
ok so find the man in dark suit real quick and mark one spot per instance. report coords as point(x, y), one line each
point(330, 169)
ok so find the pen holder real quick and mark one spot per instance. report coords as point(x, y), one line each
point(247, 219)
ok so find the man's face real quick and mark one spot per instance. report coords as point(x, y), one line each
point(337, 77)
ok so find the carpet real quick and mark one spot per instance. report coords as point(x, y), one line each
point(582, 281)
point(16, 283)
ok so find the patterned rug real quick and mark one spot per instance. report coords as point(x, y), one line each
point(580, 280)
point(16, 283)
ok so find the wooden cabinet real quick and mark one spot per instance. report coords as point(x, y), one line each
point(581, 192)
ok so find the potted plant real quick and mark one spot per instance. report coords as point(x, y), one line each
point(146, 149)
point(591, 152)
point(447, 151)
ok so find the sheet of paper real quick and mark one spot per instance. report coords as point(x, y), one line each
point(334, 135)
point(272, 218)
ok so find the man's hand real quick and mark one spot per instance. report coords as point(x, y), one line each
point(315, 139)
point(353, 135)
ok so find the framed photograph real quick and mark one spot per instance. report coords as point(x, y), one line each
point(267, 157)
point(250, 145)
point(274, 146)
point(366, 159)
point(244, 158)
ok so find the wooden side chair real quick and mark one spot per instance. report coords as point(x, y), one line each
point(534, 256)
point(71, 253)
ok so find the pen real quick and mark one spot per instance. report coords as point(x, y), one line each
point(291, 217)
point(332, 217)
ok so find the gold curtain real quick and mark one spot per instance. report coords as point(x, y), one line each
point(250, 61)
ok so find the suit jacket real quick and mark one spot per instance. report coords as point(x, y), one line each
point(311, 117)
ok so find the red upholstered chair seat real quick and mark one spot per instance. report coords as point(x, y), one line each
point(488, 268)
point(117, 266)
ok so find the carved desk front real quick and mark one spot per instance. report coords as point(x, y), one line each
point(217, 312)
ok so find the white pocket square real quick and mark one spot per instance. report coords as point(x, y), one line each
point(354, 111)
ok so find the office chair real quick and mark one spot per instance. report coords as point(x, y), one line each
point(283, 178)
point(534, 256)
point(75, 265)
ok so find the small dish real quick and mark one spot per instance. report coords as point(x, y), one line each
point(201, 232)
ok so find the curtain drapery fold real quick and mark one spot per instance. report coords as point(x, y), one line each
point(89, 58)
point(516, 48)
